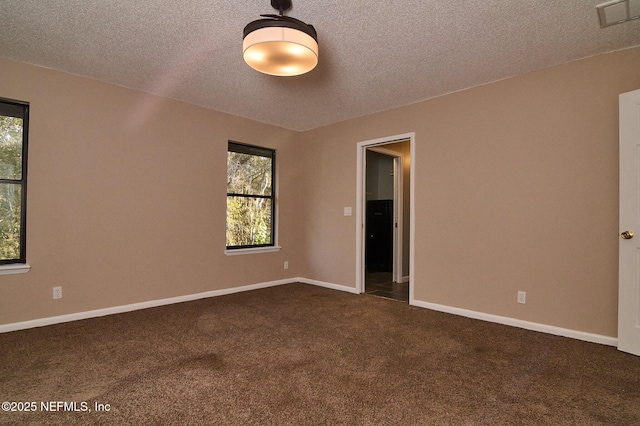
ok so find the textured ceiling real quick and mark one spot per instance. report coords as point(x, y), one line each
point(374, 55)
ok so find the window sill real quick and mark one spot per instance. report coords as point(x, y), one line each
point(14, 268)
point(252, 250)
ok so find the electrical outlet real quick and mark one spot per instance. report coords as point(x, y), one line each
point(286, 264)
point(522, 297)
point(57, 292)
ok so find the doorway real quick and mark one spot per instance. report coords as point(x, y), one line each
point(384, 214)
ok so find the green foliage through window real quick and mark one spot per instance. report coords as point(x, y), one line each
point(250, 196)
point(13, 143)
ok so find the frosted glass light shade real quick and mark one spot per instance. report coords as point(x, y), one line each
point(280, 51)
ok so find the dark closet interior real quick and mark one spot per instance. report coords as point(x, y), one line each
point(379, 241)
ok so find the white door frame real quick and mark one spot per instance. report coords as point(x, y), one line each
point(398, 203)
point(360, 207)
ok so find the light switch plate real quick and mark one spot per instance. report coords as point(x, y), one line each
point(347, 211)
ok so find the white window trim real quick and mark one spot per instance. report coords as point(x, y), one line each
point(14, 268)
point(252, 250)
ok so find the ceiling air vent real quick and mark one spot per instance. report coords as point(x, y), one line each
point(618, 11)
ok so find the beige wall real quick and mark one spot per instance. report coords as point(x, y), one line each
point(516, 189)
point(126, 197)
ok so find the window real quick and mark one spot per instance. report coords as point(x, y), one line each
point(14, 122)
point(250, 196)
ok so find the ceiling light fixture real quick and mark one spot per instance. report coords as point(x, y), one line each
point(280, 45)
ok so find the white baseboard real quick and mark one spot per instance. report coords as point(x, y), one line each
point(4, 328)
point(405, 279)
point(328, 285)
point(557, 331)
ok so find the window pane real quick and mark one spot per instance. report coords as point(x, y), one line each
point(248, 221)
point(10, 217)
point(10, 147)
point(248, 174)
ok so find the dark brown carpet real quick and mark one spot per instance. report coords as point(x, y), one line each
point(300, 355)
